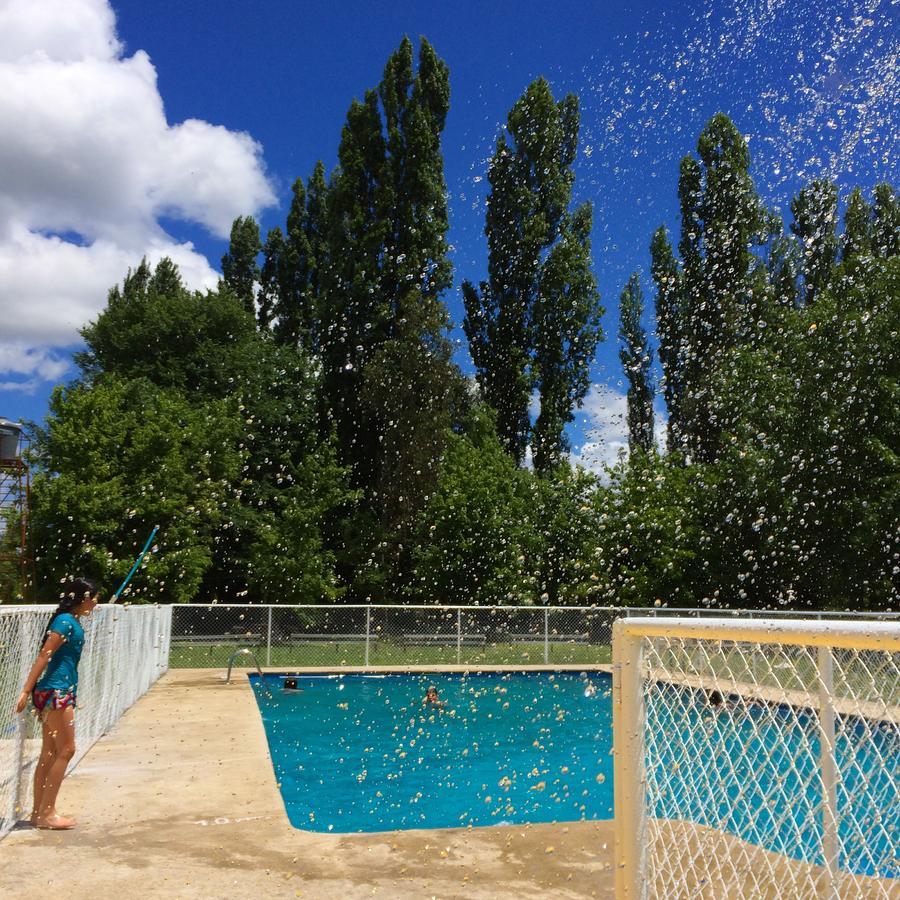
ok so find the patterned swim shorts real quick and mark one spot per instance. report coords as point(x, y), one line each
point(52, 699)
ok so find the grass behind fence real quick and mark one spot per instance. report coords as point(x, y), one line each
point(387, 653)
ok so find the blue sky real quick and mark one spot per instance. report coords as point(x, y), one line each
point(799, 79)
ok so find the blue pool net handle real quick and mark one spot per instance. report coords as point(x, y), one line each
point(134, 568)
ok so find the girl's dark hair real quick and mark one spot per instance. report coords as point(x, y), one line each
point(73, 593)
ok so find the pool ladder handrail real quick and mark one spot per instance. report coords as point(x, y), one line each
point(237, 653)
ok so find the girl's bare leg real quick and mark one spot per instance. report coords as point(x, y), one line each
point(60, 723)
point(48, 751)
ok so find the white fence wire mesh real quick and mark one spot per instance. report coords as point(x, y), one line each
point(126, 650)
point(757, 759)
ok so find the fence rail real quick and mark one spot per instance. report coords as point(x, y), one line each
point(760, 756)
point(126, 649)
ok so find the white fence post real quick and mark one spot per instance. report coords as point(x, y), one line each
point(458, 636)
point(628, 766)
point(368, 632)
point(546, 636)
point(269, 639)
point(828, 763)
point(18, 750)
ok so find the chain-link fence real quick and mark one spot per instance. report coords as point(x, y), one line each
point(758, 758)
point(126, 649)
point(338, 636)
point(345, 635)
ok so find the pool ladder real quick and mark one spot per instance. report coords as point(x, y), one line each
point(239, 653)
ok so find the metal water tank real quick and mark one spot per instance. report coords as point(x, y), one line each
point(10, 435)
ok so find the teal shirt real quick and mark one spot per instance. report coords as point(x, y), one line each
point(62, 671)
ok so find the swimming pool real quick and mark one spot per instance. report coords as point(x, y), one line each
point(360, 753)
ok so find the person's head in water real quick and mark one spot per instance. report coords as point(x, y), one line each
point(716, 698)
point(432, 698)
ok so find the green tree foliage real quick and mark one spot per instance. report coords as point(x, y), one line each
point(648, 533)
point(535, 323)
point(564, 526)
point(567, 330)
point(706, 304)
point(476, 544)
point(886, 222)
point(273, 279)
point(297, 263)
point(204, 350)
point(857, 237)
point(387, 224)
point(235, 419)
point(117, 457)
point(240, 265)
point(670, 322)
point(153, 327)
point(813, 469)
point(783, 267)
point(355, 279)
point(635, 357)
point(815, 225)
point(789, 411)
point(722, 218)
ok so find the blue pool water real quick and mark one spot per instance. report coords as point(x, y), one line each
point(361, 753)
point(757, 755)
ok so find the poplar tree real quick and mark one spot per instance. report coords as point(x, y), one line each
point(670, 331)
point(535, 323)
point(304, 259)
point(566, 333)
point(272, 279)
point(885, 222)
point(815, 225)
point(240, 268)
point(783, 268)
point(635, 357)
point(721, 219)
point(857, 237)
point(389, 380)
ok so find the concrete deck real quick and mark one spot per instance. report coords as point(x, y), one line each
point(180, 801)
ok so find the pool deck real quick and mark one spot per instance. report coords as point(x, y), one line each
point(179, 800)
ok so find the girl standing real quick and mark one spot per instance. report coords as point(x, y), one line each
point(53, 685)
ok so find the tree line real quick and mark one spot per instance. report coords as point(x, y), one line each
point(302, 433)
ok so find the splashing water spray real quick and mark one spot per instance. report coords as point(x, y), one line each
point(134, 568)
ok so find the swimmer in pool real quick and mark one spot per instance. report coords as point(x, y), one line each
point(432, 698)
point(590, 689)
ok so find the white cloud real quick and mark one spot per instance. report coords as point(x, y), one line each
point(606, 434)
point(88, 165)
point(41, 364)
